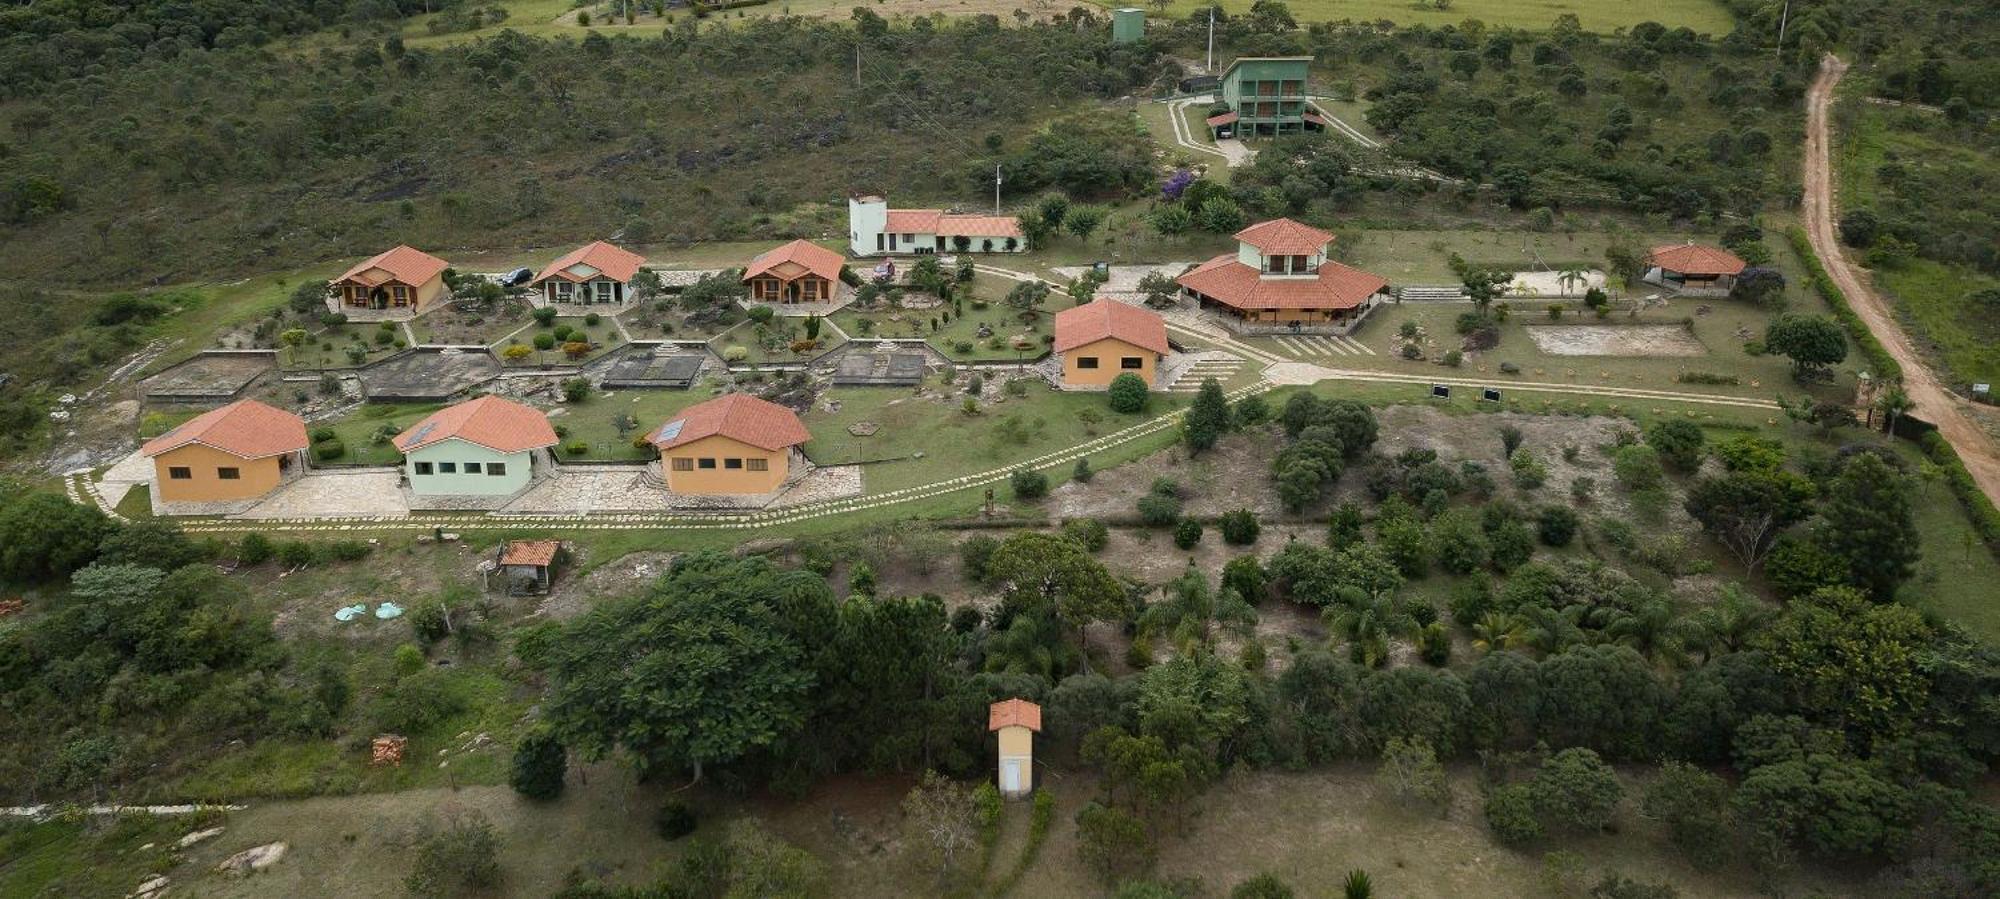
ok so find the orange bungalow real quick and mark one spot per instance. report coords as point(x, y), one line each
point(597, 273)
point(734, 444)
point(1693, 269)
point(404, 280)
point(241, 451)
point(1280, 280)
point(798, 272)
point(1104, 338)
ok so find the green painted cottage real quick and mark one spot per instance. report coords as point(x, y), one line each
point(1266, 96)
point(475, 454)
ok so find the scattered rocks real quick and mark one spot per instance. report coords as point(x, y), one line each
point(197, 837)
point(155, 885)
point(256, 858)
point(863, 428)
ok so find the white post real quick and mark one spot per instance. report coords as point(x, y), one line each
point(1211, 39)
point(996, 188)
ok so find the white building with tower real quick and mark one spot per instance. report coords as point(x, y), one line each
point(874, 229)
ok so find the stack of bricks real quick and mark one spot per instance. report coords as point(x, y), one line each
point(388, 750)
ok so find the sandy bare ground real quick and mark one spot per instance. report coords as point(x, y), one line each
point(1933, 402)
point(1615, 340)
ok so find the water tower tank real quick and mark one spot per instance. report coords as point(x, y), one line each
point(1128, 25)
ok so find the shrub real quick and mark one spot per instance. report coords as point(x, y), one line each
point(592, 319)
point(735, 353)
point(1511, 815)
point(576, 390)
point(578, 448)
point(1576, 790)
point(1028, 484)
point(674, 820)
point(1089, 533)
point(329, 450)
point(973, 554)
point(1556, 525)
point(1159, 509)
point(1187, 533)
point(540, 762)
point(295, 554)
point(1127, 394)
point(1411, 772)
point(323, 434)
point(254, 549)
point(1239, 528)
point(1262, 886)
point(545, 316)
point(1678, 441)
point(1529, 472)
point(1081, 473)
point(463, 856)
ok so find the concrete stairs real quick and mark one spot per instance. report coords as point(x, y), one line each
point(1188, 378)
point(1432, 293)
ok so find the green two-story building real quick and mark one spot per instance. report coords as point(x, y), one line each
point(1266, 96)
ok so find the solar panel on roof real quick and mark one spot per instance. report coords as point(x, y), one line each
point(423, 432)
point(670, 430)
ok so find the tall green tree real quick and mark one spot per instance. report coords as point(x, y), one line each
point(1207, 419)
point(1866, 521)
point(1048, 574)
point(698, 672)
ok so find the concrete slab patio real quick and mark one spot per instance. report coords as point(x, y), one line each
point(336, 493)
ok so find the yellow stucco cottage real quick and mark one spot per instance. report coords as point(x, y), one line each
point(735, 444)
point(1103, 339)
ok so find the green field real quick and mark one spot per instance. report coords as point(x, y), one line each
point(1604, 16)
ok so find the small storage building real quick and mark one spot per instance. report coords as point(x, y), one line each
point(1016, 721)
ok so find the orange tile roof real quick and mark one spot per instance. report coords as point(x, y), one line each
point(1284, 237)
point(1223, 119)
point(969, 225)
point(615, 263)
point(803, 253)
point(1101, 318)
point(496, 423)
point(913, 221)
point(405, 264)
point(1012, 712)
point(530, 552)
point(246, 429)
point(1695, 259)
point(1232, 283)
point(738, 416)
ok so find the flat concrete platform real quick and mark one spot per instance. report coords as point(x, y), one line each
point(421, 376)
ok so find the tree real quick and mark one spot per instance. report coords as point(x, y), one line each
point(1847, 661)
point(1484, 285)
point(1239, 527)
point(44, 536)
point(1127, 393)
point(1678, 441)
point(1867, 522)
point(149, 542)
point(1556, 525)
point(697, 672)
point(1694, 805)
point(1811, 342)
point(1028, 484)
point(1747, 510)
point(540, 762)
point(1207, 419)
point(1410, 771)
point(1575, 790)
point(293, 338)
point(1051, 575)
point(1083, 221)
point(942, 818)
point(1113, 843)
point(1220, 215)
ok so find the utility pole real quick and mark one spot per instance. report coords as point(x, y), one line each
point(996, 188)
point(1784, 18)
point(857, 60)
point(1211, 39)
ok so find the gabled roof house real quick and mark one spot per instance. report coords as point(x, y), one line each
point(1280, 279)
point(397, 283)
point(1102, 339)
point(597, 273)
point(795, 273)
point(874, 229)
point(238, 452)
point(485, 447)
point(733, 444)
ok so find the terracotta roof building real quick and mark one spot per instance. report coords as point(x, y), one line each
point(1280, 280)
point(595, 273)
point(475, 454)
point(798, 272)
point(402, 282)
point(1693, 269)
point(1016, 721)
point(1104, 338)
point(230, 455)
point(876, 230)
point(1014, 713)
point(733, 444)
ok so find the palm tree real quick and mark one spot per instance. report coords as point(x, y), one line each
point(1496, 631)
point(1893, 402)
point(1644, 630)
point(1729, 622)
point(1366, 623)
point(1551, 631)
point(1570, 277)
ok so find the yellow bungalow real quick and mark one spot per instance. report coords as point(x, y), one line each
point(1104, 338)
point(735, 444)
point(241, 451)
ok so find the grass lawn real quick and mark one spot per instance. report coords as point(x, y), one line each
point(959, 338)
point(357, 431)
point(328, 346)
point(594, 421)
point(1930, 296)
point(449, 326)
point(772, 344)
point(87, 856)
point(1704, 16)
point(604, 337)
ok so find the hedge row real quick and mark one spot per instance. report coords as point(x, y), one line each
point(1978, 507)
point(1885, 366)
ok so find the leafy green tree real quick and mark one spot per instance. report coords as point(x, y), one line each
point(698, 672)
point(1576, 791)
point(1114, 843)
point(1239, 527)
point(1694, 805)
point(1052, 575)
point(44, 536)
point(1083, 221)
point(1127, 393)
point(1747, 510)
point(1207, 419)
point(1850, 662)
point(1867, 522)
point(1245, 575)
point(1812, 343)
point(1678, 441)
point(1028, 484)
point(1601, 697)
point(1410, 771)
point(149, 542)
point(540, 761)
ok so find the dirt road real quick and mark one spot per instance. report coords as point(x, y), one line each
point(1933, 402)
